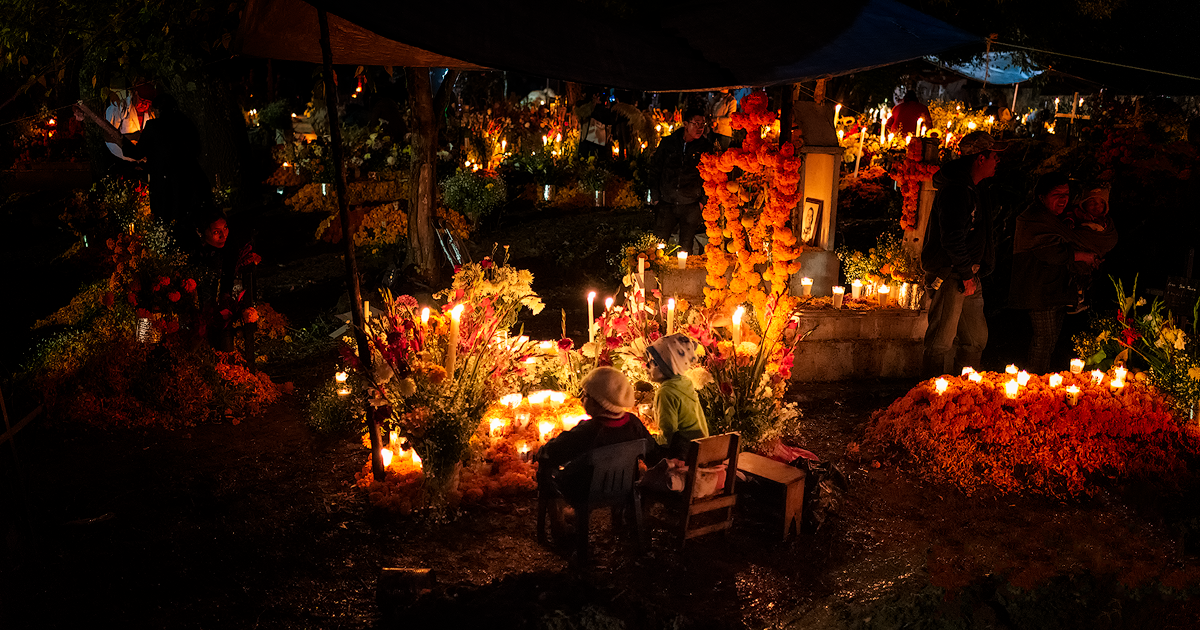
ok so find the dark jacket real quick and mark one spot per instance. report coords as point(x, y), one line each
point(1044, 247)
point(564, 451)
point(675, 171)
point(959, 233)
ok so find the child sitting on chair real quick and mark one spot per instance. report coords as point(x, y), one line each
point(607, 397)
point(676, 404)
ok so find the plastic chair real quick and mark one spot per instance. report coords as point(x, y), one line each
point(614, 471)
point(703, 453)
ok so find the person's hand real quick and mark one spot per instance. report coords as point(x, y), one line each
point(1086, 257)
point(969, 286)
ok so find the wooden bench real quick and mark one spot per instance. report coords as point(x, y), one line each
point(789, 477)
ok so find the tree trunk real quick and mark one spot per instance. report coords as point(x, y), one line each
point(422, 242)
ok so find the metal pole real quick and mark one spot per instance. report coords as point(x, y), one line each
point(339, 185)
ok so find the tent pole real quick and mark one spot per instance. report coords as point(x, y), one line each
point(339, 186)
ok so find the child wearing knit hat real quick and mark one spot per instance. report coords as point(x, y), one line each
point(607, 397)
point(676, 404)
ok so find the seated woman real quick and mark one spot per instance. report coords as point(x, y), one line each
point(607, 396)
point(219, 266)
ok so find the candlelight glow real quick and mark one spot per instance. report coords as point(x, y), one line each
point(975, 377)
point(511, 400)
point(544, 429)
point(737, 315)
point(1055, 379)
point(839, 290)
point(523, 448)
point(608, 302)
point(1116, 385)
point(496, 426)
point(1023, 378)
point(341, 377)
point(425, 316)
point(1076, 366)
point(456, 313)
point(1011, 388)
point(1011, 369)
point(967, 370)
point(387, 457)
point(807, 281)
point(940, 385)
point(345, 391)
point(1097, 377)
point(570, 422)
point(682, 259)
point(1119, 373)
point(558, 397)
point(546, 345)
point(538, 398)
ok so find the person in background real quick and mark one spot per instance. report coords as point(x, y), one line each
point(677, 190)
point(607, 397)
point(595, 124)
point(720, 112)
point(1097, 234)
point(676, 404)
point(905, 115)
point(959, 251)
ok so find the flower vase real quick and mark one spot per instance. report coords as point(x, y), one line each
point(441, 487)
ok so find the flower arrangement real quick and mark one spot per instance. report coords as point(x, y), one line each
point(909, 173)
point(475, 194)
point(659, 256)
point(1150, 342)
point(885, 263)
point(977, 431)
point(751, 192)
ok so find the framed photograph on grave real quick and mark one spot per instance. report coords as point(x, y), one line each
point(810, 222)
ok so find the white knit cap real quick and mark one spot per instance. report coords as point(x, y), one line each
point(677, 351)
point(610, 389)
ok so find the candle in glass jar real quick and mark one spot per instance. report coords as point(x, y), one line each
point(1119, 373)
point(1097, 377)
point(1011, 369)
point(670, 315)
point(856, 289)
point(975, 377)
point(806, 285)
point(1077, 366)
point(737, 327)
point(1072, 395)
point(1022, 378)
point(1116, 385)
point(1011, 388)
point(940, 385)
point(967, 370)
point(839, 293)
point(885, 293)
point(1055, 379)
point(682, 256)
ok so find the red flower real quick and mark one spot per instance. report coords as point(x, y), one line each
point(486, 263)
point(143, 313)
point(164, 281)
point(108, 299)
point(613, 342)
point(726, 388)
point(189, 285)
point(132, 297)
point(173, 296)
point(250, 315)
point(1130, 335)
point(565, 343)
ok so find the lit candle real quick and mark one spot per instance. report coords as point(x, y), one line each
point(1072, 395)
point(967, 370)
point(885, 293)
point(608, 302)
point(837, 111)
point(682, 256)
point(452, 348)
point(641, 270)
point(1097, 377)
point(366, 310)
point(862, 135)
point(1119, 373)
point(737, 327)
point(386, 454)
point(940, 385)
point(856, 289)
point(806, 285)
point(425, 316)
point(570, 422)
point(670, 315)
point(1055, 379)
point(558, 398)
point(1011, 388)
point(1022, 378)
point(394, 439)
point(1077, 366)
point(591, 316)
point(523, 451)
point(341, 377)
point(539, 397)
point(496, 426)
point(544, 429)
point(838, 294)
point(511, 400)
point(1116, 385)
point(920, 124)
point(975, 377)
point(1011, 369)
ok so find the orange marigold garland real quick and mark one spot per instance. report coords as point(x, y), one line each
point(751, 193)
point(909, 174)
point(974, 436)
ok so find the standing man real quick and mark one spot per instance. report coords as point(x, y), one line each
point(958, 251)
point(907, 113)
point(677, 188)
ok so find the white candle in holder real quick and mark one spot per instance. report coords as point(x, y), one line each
point(591, 316)
point(1072, 395)
point(1077, 366)
point(452, 347)
point(670, 315)
point(856, 289)
point(1055, 379)
point(839, 293)
point(885, 294)
point(425, 316)
point(806, 285)
point(1097, 377)
point(682, 259)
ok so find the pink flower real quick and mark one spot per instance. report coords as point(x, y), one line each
point(565, 343)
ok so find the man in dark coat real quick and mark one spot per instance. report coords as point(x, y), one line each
point(958, 251)
point(677, 190)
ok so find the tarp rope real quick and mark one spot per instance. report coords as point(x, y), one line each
point(1110, 63)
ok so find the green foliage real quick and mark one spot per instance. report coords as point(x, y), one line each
point(592, 176)
point(333, 414)
point(885, 262)
point(475, 194)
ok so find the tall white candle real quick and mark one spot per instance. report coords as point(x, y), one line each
point(682, 259)
point(425, 316)
point(737, 327)
point(641, 278)
point(608, 302)
point(885, 292)
point(806, 285)
point(670, 315)
point(862, 135)
point(838, 294)
point(452, 348)
point(856, 289)
point(591, 316)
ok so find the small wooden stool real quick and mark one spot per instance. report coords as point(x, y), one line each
point(791, 478)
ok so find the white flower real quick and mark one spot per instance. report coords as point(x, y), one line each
point(699, 376)
point(391, 160)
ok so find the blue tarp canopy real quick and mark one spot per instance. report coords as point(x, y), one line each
point(997, 68)
point(657, 45)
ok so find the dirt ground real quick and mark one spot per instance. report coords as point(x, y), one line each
point(258, 525)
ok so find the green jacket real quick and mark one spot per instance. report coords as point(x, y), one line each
point(678, 409)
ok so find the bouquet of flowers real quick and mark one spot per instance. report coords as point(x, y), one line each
point(885, 263)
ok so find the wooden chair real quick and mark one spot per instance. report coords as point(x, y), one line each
point(614, 471)
point(704, 452)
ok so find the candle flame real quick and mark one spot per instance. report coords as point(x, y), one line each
point(544, 429)
point(940, 385)
point(558, 398)
point(1023, 378)
point(1119, 373)
point(608, 302)
point(670, 304)
point(496, 426)
point(591, 296)
point(425, 316)
point(967, 370)
point(387, 457)
point(538, 398)
point(1011, 388)
point(975, 377)
point(456, 313)
point(737, 315)
point(341, 377)
point(1011, 369)
point(510, 400)
point(1055, 379)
